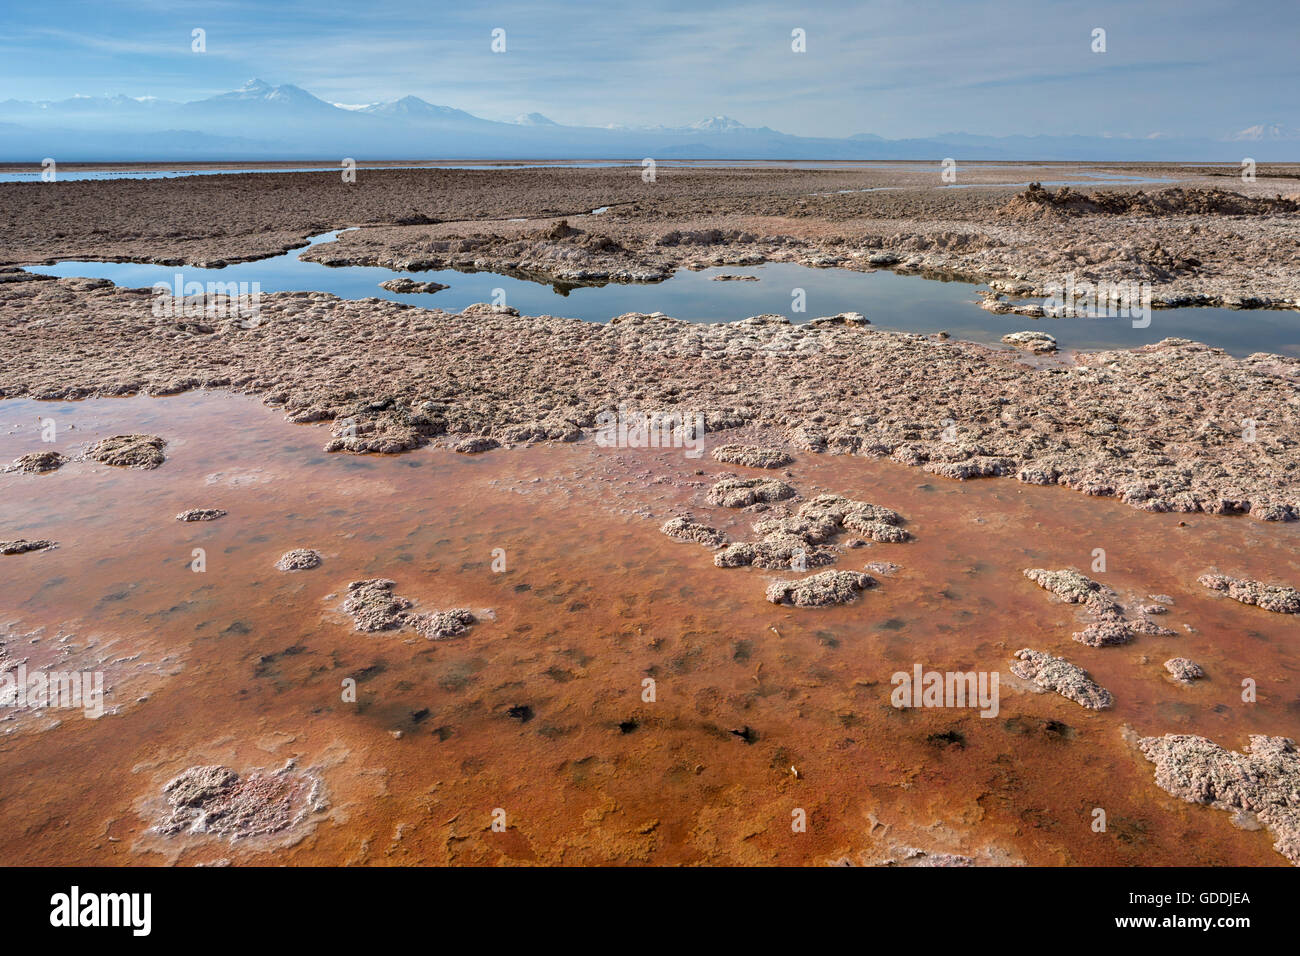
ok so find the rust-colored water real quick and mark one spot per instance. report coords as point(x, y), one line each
point(242, 665)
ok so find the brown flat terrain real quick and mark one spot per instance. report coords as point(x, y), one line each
point(903, 217)
point(537, 709)
point(243, 666)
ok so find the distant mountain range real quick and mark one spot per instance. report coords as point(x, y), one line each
point(1270, 133)
point(264, 122)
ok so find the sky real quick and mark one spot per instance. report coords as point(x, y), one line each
point(1202, 68)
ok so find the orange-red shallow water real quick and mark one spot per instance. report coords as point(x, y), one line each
point(244, 665)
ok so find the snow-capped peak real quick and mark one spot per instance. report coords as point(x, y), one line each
point(718, 124)
point(1265, 131)
point(534, 119)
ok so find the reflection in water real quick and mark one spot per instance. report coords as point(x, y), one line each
point(540, 711)
point(908, 303)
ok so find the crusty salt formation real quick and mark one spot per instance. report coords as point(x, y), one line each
point(475, 445)
point(1067, 584)
point(38, 462)
point(216, 800)
point(743, 492)
point(976, 466)
point(129, 451)
point(1040, 343)
point(374, 607)
point(1111, 623)
point(299, 559)
point(861, 517)
point(537, 374)
point(1183, 670)
point(814, 530)
point(22, 546)
point(686, 528)
point(442, 624)
point(1059, 675)
point(775, 551)
point(798, 542)
point(751, 456)
point(847, 512)
point(408, 286)
point(201, 514)
point(820, 590)
point(1271, 597)
point(1263, 780)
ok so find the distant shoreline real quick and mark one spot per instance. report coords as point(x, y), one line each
point(332, 165)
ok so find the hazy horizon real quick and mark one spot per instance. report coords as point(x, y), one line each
point(1170, 70)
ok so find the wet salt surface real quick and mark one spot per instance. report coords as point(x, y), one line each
point(889, 300)
point(593, 600)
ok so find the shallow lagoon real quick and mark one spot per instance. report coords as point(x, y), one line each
point(908, 303)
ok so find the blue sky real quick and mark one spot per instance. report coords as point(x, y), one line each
point(897, 69)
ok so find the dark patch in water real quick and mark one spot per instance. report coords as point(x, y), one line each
point(1127, 829)
point(949, 738)
point(368, 672)
point(266, 662)
point(173, 610)
point(685, 662)
point(1055, 728)
point(1048, 728)
point(577, 656)
point(460, 676)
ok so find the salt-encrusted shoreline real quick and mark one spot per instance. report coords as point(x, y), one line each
point(1176, 426)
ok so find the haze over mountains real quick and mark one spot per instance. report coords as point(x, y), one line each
point(264, 122)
